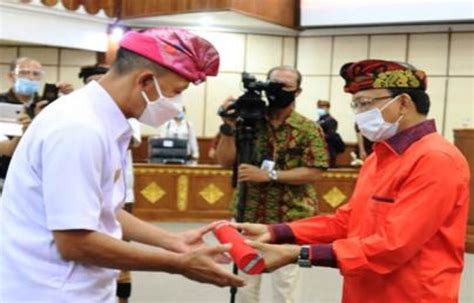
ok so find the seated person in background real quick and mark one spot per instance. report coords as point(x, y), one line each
point(180, 128)
point(25, 75)
point(329, 125)
point(364, 145)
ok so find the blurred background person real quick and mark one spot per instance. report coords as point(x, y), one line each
point(92, 72)
point(180, 128)
point(25, 76)
point(364, 145)
point(328, 123)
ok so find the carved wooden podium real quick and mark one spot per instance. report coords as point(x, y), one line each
point(464, 140)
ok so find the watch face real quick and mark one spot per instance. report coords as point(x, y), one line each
point(304, 263)
point(303, 259)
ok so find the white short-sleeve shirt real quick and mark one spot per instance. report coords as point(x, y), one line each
point(67, 173)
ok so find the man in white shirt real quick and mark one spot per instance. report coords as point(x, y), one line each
point(61, 212)
point(181, 128)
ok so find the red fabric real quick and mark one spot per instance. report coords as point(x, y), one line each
point(178, 50)
point(401, 236)
point(371, 74)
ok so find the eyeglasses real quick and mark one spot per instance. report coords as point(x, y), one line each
point(362, 104)
point(24, 73)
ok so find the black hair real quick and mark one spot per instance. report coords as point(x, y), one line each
point(91, 70)
point(299, 77)
point(127, 61)
point(418, 96)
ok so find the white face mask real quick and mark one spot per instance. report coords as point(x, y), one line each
point(161, 110)
point(373, 126)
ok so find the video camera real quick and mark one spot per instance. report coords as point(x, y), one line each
point(250, 106)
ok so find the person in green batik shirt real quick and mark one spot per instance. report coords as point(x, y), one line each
point(289, 155)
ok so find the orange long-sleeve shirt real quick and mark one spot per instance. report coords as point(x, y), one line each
point(401, 236)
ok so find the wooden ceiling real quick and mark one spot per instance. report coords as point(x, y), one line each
point(281, 12)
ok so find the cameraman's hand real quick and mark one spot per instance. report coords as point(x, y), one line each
point(250, 173)
point(65, 88)
point(24, 120)
point(228, 102)
point(199, 265)
point(39, 106)
point(254, 232)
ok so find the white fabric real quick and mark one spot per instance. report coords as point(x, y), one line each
point(181, 130)
point(284, 282)
point(67, 173)
point(129, 179)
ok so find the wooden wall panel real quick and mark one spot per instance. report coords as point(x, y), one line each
point(134, 9)
point(335, 188)
point(282, 12)
point(464, 140)
point(194, 193)
point(181, 193)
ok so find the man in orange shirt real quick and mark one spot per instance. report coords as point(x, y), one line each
point(401, 236)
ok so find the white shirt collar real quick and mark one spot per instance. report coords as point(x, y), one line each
point(116, 122)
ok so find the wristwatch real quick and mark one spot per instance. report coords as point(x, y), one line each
point(273, 175)
point(304, 259)
point(227, 130)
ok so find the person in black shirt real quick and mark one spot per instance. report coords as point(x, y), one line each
point(327, 122)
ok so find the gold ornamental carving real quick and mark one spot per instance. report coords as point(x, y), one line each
point(153, 192)
point(335, 175)
point(334, 197)
point(211, 193)
point(196, 172)
point(182, 192)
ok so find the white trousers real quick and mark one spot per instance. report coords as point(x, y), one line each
point(284, 281)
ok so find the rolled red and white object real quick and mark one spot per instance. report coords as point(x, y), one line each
point(246, 257)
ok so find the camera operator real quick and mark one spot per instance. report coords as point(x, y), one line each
point(289, 155)
point(25, 75)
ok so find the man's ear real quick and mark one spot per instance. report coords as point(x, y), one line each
point(144, 78)
point(407, 104)
point(298, 92)
point(11, 77)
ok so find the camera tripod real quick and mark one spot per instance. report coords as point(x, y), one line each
point(245, 143)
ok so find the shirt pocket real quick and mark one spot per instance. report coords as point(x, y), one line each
point(381, 206)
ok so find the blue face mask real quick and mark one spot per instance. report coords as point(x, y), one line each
point(180, 116)
point(26, 87)
point(321, 112)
